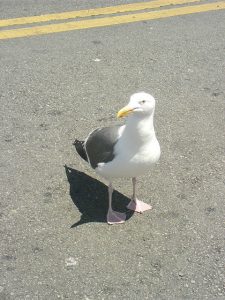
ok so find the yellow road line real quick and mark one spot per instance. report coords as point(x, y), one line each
point(93, 12)
point(108, 21)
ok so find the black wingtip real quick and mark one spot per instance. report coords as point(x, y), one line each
point(79, 146)
point(76, 142)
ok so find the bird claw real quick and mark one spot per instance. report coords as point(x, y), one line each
point(138, 206)
point(115, 217)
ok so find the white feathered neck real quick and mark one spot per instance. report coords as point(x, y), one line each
point(139, 129)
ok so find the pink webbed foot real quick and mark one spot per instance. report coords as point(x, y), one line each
point(115, 217)
point(138, 206)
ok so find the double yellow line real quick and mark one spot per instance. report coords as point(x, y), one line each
point(120, 18)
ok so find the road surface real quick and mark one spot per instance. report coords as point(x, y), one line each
point(57, 86)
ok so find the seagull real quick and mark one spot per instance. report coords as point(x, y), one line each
point(127, 150)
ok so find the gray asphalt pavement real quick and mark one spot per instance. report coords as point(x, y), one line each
point(54, 88)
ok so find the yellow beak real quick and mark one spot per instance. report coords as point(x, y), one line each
point(126, 110)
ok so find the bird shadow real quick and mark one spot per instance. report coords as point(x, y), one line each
point(90, 196)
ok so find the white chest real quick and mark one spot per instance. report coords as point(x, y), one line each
point(131, 161)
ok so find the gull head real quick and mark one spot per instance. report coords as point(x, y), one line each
point(140, 104)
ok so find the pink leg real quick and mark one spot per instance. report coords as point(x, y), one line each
point(135, 204)
point(114, 217)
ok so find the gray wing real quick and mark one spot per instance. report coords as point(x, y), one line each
point(100, 145)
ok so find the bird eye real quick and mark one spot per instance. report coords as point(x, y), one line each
point(143, 102)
